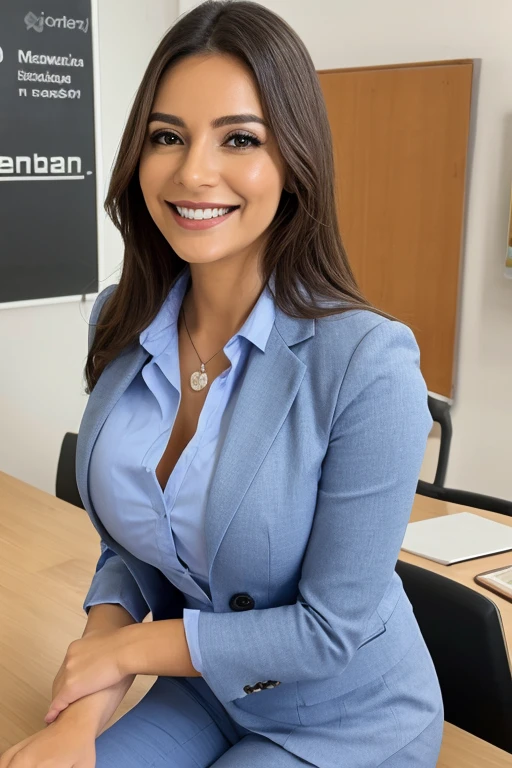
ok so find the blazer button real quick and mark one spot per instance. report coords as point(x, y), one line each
point(241, 602)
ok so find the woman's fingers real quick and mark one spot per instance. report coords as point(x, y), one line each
point(7, 757)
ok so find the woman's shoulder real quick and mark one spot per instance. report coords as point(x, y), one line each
point(96, 309)
point(100, 301)
point(359, 347)
point(347, 329)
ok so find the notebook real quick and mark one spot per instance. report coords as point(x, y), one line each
point(453, 538)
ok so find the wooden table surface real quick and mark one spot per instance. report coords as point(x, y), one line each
point(48, 553)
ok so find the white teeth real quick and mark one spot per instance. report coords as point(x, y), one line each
point(201, 213)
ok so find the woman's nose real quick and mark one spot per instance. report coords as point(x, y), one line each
point(197, 166)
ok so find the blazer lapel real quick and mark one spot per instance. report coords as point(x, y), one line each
point(269, 387)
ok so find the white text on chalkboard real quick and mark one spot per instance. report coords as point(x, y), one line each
point(60, 94)
point(44, 77)
point(39, 164)
point(27, 57)
point(38, 23)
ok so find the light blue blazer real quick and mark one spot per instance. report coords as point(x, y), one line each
point(306, 515)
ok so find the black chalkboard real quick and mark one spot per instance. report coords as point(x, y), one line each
point(48, 217)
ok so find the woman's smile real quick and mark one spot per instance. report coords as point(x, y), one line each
point(214, 217)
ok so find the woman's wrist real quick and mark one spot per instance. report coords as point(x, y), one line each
point(87, 712)
point(94, 711)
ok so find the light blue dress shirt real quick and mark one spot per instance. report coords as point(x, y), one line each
point(166, 528)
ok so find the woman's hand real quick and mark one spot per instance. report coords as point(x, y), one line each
point(92, 663)
point(62, 745)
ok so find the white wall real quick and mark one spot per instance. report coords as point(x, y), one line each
point(43, 349)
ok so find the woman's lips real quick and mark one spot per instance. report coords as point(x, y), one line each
point(199, 223)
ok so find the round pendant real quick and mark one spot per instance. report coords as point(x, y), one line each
point(198, 380)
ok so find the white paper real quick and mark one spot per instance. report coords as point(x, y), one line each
point(453, 538)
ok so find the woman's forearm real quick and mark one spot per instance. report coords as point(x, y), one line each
point(93, 712)
point(107, 616)
point(156, 648)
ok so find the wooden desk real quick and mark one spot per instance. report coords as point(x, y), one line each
point(48, 552)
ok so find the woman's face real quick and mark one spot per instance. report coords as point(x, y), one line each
point(185, 158)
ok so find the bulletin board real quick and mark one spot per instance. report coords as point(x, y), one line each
point(400, 140)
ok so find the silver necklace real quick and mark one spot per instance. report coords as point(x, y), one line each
point(199, 379)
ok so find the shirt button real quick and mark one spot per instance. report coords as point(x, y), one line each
point(148, 469)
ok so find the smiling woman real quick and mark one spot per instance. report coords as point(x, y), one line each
point(256, 506)
point(249, 124)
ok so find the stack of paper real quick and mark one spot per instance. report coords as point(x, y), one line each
point(452, 538)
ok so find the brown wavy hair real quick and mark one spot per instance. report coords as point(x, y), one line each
point(304, 244)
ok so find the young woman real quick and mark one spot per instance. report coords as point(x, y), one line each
point(252, 442)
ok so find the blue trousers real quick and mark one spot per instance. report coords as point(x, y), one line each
point(180, 723)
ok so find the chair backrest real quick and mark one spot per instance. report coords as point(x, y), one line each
point(440, 412)
point(466, 498)
point(65, 484)
point(463, 632)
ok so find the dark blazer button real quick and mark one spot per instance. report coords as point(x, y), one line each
point(241, 602)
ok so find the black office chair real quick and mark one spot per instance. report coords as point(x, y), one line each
point(440, 412)
point(463, 632)
point(65, 484)
point(467, 498)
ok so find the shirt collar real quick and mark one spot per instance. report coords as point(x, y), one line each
point(157, 336)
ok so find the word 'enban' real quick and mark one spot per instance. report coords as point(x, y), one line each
point(39, 164)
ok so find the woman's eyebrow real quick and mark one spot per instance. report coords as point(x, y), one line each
point(218, 122)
